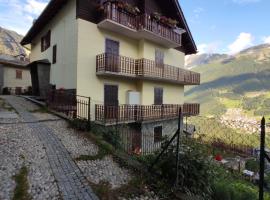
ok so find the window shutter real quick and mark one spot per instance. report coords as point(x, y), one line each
point(158, 96)
point(54, 54)
point(157, 134)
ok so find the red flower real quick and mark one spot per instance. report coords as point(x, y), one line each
point(218, 157)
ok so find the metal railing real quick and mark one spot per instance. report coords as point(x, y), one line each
point(71, 105)
point(144, 68)
point(137, 113)
point(139, 22)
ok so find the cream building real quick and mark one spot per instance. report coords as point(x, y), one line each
point(14, 77)
point(128, 57)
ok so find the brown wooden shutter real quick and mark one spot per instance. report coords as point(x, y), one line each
point(54, 54)
point(158, 96)
point(158, 134)
point(111, 95)
point(159, 58)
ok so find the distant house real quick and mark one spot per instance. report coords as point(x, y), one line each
point(127, 55)
point(14, 76)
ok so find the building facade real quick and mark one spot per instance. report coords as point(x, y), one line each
point(14, 77)
point(127, 55)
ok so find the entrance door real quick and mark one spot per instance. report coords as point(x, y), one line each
point(111, 102)
point(112, 56)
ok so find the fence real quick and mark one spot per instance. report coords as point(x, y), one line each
point(71, 105)
point(143, 68)
point(220, 137)
point(140, 22)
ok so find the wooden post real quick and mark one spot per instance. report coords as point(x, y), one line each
point(180, 121)
point(89, 113)
point(262, 156)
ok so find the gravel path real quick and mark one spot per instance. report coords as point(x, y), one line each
point(48, 149)
point(52, 169)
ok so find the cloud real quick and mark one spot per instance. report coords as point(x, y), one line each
point(266, 40)
point(246, 1)
point(18, 15)
point(209, 48)
point(243, 41)
point(34, 7)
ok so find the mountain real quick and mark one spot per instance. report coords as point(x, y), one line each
point(202, 59)
point(239, 81)
point(10, 43)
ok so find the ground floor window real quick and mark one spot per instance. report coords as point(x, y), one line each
point(158, 134)
point(18, 74)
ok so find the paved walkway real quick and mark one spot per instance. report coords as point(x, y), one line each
point(71, 182)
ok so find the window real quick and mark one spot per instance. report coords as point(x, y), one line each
point(159, 58)
point(158, 134)
point(46, 41)
point(158, 96)
point(54, 54)
point(18, 74)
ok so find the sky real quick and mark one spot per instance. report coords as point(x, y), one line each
point(218, 26)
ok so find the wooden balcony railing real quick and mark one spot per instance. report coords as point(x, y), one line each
point(139, 113)
point(140, 22)
point(146, 22)
point(144, 68)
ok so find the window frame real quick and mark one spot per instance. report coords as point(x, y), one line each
point(19, 74)
point(54, 54)
point(46, 41)
point(158, 134)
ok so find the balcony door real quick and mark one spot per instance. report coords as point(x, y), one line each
point(158, 96)
point(112, 56)
point(111, 102)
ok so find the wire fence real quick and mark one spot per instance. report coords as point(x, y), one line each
point(221, 137)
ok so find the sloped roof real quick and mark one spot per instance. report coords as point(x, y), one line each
point(55, 5)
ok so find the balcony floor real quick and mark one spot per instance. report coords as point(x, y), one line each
point(136, 34)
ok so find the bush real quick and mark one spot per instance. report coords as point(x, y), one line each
point(195, 170)
point(234, 191)
point(109, 134)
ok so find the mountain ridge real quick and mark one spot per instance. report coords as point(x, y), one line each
point(10, 44)
point(229, 82)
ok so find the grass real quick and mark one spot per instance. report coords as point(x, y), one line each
point(40, 110)
point(21, 189)
point(5, 106)
point(230, 103)
point(135, 188)
point(101, 154)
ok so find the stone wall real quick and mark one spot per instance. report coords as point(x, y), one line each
point(169, 128)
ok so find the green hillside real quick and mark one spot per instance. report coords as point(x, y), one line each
point(242, 81)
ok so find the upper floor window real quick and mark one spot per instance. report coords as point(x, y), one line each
point(18, 74)
point(54, 58)
point(46, 41)
point(158, 96)
point(159, 58)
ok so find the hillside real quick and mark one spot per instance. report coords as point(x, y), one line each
point(241, 81)
point(10, 43)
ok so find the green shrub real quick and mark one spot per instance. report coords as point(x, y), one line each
point(252, 165)
point(195, 169)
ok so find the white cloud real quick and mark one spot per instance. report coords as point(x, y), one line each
point(34, 7)
point(18, 15)
point(266, 40)
point(243, 41)
point(212, 47)
point(246, 1)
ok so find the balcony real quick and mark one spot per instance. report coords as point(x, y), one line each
point(139, 26)
point(140, 113)
point(121, 66)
